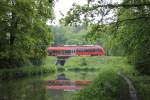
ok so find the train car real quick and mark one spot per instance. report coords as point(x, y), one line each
point(90, 51)
point(69, 50)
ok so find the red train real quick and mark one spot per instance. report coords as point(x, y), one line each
point(73, 50)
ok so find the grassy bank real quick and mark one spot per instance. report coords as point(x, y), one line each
point(84, 63)
point(108, 85)
point(26, 71)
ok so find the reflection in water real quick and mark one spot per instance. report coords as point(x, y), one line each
point(58, 94)
point(34, 88)
point(83, 74)
point(62, 76)
point(22, 90)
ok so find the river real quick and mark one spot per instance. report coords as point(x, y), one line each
point(35, 88)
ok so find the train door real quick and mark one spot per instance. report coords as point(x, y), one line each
point(73, 52)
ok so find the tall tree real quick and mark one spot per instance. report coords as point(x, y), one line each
point(128, 23)
point(24, 34)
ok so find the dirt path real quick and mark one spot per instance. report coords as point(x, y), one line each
point(131, 90)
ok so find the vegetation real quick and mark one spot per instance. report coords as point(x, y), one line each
point(84, 63)
point(69, 35)
point(24, 35)
point(26, 71)
point(108, 85)
point(121, 28)
point(122, 24)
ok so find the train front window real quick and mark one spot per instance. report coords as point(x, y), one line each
point(98, 50)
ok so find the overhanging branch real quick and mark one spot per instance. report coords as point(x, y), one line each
point(124, 5)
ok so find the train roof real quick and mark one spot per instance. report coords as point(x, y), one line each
point(68, 47)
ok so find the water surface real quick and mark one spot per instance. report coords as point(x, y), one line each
point(34, 88)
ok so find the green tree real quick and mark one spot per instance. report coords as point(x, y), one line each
point(59, 35)
point(125, 25)
point(24, 34)
point(133, 33)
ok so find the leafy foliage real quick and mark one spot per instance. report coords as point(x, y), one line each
point(65, 35)
point(24, 34)
point(133, 34)
point(123, 29)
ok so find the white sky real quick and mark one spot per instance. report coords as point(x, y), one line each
point(64, 6)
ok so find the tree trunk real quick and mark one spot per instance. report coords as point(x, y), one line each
point(12, 36)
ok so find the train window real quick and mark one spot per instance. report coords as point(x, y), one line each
point(59, 51)
point(93, 50)
point(81, 50)
point(90, 50)
point(97, 50)
point(87, 50)
point(68, 51)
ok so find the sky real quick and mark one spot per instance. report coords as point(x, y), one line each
point(63, 6)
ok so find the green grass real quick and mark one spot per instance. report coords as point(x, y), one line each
point(84, 63)
point(107, 85)
point(26, 71)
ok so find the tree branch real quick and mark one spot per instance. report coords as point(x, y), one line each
point(125, 5)
point(131, 19)
point(121, 5)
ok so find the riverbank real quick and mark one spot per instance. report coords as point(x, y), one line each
point(26, 71)
point(108, 85)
